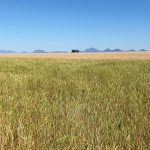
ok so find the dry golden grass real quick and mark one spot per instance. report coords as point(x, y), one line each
point(49, 104)
point(100, 56)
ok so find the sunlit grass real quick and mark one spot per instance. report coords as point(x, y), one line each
point(74, 104)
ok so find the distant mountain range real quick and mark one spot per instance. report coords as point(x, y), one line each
point(7, 51)
point(87, 50)
point(106, 50)
point(109, 50)
point(39, 51)
point(92, 50)
point(43, 51)
point(34, 51)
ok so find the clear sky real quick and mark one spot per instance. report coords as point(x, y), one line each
point(74, 24)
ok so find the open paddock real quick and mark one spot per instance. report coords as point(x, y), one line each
point(97, 56)
point(60, 104)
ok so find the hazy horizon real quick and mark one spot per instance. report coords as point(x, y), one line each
point(74, 24)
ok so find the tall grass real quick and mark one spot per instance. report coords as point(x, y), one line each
point(74, 104)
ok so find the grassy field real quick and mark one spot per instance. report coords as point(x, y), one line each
point(97, 56)
point(74, 104)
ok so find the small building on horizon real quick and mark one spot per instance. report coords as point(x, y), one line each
point(75, 51)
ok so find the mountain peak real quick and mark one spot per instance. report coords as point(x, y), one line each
point(92, 50)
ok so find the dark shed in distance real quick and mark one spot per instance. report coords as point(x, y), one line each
point(75, 51)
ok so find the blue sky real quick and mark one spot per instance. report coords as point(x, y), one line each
point(74, 24)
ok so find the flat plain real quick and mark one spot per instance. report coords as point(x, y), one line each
point(98, 56)
point(58, 104)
